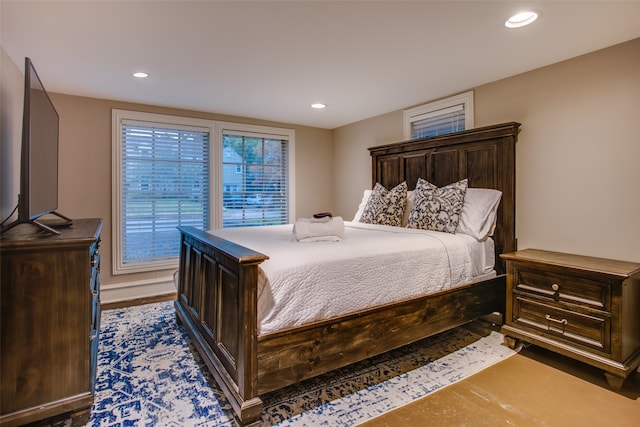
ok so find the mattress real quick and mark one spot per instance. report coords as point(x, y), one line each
point(372, 265)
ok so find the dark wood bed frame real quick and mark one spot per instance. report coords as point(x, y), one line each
point(217, 282)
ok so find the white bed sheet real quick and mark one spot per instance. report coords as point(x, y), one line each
point(372, 265)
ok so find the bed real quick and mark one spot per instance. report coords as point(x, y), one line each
point(218, 282)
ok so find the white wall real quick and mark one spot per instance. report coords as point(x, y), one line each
point(577, 161)
point(578, 155)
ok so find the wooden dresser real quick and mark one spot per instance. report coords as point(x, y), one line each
point(50, 322)
point(582, 307)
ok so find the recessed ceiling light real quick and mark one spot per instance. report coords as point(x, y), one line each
point(521, 19)
point(141, 75)
point(319, 105)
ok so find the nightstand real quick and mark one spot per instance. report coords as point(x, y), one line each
point(582, 307)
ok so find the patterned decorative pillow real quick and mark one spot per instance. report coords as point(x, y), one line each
point(437, 209)
point(384, 206)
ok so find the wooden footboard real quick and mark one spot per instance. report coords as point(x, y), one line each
point(217, 304)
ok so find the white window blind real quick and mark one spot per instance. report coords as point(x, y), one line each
point(446, 120)
point(255, 179)
point(164, 183)
point(453, 114)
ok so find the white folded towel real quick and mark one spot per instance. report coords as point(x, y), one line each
point(319, 229)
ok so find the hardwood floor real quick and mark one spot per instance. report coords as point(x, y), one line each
point(533, 388)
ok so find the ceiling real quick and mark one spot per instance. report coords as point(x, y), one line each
point(270, 60)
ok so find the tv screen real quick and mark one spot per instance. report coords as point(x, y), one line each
point(39, 162)
point(40, 135)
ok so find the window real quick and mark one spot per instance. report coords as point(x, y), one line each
point(257, 163)
point(161, 175)
point(171, 171)
point(448, 115)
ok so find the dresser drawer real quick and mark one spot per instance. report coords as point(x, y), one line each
point(590, 330)
point(564, 288)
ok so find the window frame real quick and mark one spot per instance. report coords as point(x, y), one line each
point(255, 131)
point(161, 120)
point(415, 114)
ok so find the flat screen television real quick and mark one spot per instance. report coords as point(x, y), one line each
point(39, 157)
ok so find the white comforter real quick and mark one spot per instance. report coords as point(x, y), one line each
point(372, 265)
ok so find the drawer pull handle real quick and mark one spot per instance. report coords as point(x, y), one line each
point(551, 319)
point(555, 287)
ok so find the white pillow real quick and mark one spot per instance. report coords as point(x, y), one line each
point(411, 199)
point(479, 212)
point(363, 203)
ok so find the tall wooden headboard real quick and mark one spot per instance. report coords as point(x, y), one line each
point(485, 156)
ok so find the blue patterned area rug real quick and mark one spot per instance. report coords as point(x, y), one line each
point(150, 375)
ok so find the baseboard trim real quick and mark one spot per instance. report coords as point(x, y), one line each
point(127, 294)
point(139, 301)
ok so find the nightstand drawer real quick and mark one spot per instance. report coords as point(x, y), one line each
point(588, 330)
point(563, 288)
